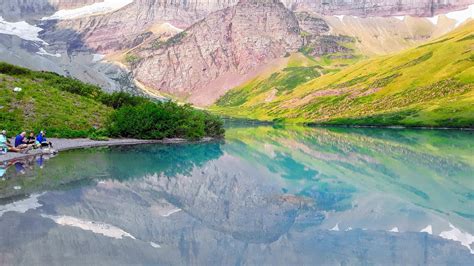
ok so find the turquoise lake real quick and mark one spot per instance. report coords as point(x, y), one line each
point(262, 196)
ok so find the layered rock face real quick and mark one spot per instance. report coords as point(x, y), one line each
point(211, 56)
point(125, 28)
point(130, 25)
point(15, 10)
point(426, 8)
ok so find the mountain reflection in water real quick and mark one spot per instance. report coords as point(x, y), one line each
point(262, 196)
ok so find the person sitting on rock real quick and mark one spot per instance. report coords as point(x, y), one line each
point(41, 139)
point(5, 144)
point(31, 139)
point(20, 141)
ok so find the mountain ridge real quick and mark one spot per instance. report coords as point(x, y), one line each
point(228, 43)
point(417, 87)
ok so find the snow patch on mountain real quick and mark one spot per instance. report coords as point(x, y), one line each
point(434, 20)
point(42, 51)
point(21, 29)
point(462, 16)
point(340, 17)
point(459, 16)
point(98, 8)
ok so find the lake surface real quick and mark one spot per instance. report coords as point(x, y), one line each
point(264, 196)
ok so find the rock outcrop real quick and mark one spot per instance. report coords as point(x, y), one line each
point(119, 30)
point(131, 25)
point(15, 10)
point(209, 58)
point(425, 8)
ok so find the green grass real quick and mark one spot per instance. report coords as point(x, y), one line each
point(430, 85)
point(69, 108)
point(46, 102)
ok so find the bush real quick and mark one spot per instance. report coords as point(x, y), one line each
point(13, 70)
point(132, 59)
point(120, 99)
point(163, 120)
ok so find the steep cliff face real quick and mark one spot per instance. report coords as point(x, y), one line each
point(210, 57)
point(130, 25)
point(15, 10)
point(378, 7)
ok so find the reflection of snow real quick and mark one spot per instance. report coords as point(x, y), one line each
point(96, 227)
point(428, 229)
point(42, 51)
point(170, 212)
point(22, 206)
point(455, 234)
point(395, 229)
point(21, 29)
point(153, 244)
point(98, 8)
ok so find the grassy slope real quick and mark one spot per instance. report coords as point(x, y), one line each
point(42, 104)
point(431, 85)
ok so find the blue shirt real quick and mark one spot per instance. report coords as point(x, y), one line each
point(40, 138)
point(18, 140)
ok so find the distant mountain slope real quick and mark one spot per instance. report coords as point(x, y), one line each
point(217, 51)
point(431, 85)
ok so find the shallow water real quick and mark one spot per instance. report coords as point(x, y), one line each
point(264, 196)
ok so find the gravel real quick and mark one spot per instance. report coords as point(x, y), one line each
point(69, 144)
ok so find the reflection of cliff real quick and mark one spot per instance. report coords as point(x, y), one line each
point(267, 196)
point(185, 242)
point(429, 168)
point(82, 167)
point(227, 196)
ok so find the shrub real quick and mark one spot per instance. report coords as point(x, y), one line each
point(163, 120)
point(132, 59)
point(119, 99)
point(13, 70)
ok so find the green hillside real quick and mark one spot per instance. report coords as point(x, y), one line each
point(48, 101)
point(430, 85)
point(65, 107)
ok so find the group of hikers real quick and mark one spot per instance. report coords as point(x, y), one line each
point(23, 143)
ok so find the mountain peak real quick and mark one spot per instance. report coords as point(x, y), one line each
point(216, 54)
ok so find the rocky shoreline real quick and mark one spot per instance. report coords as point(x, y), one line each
point(70, 144)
